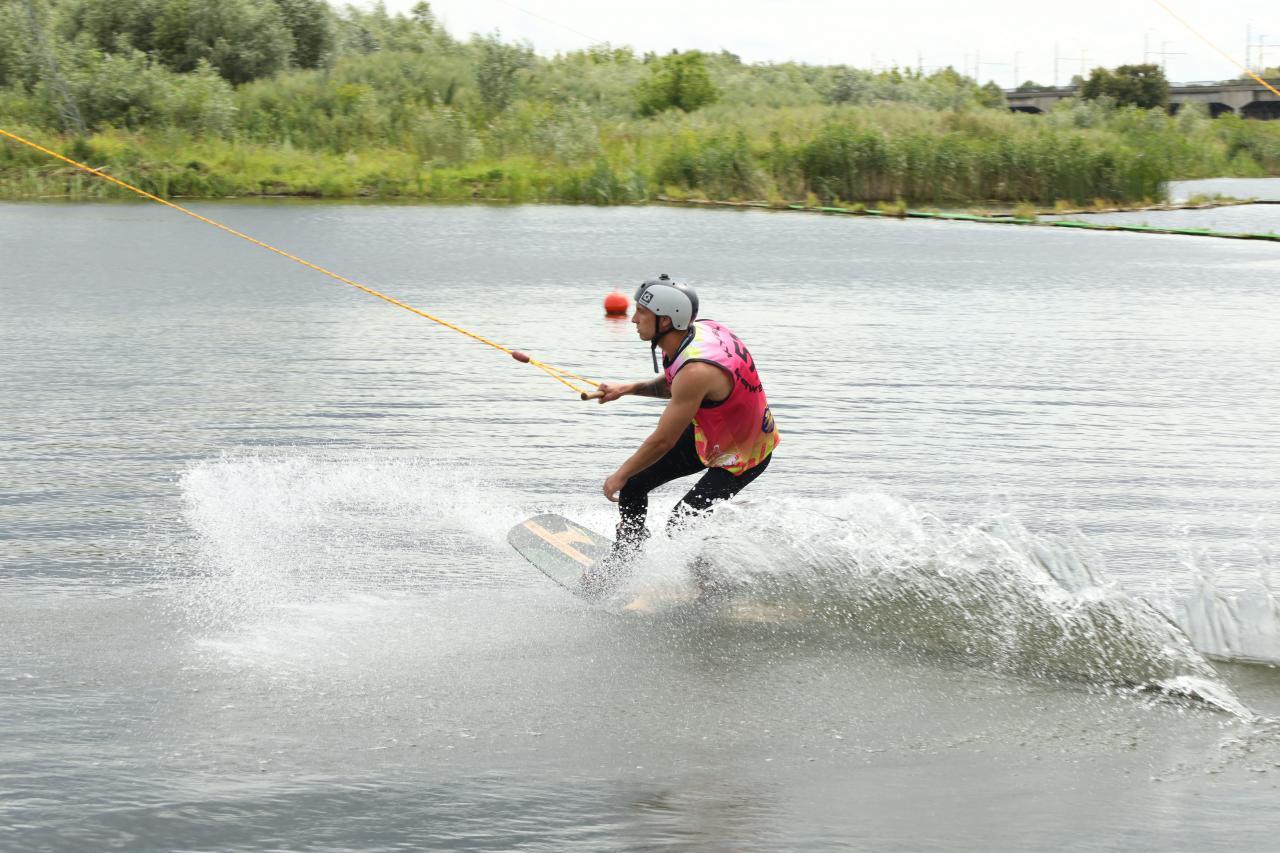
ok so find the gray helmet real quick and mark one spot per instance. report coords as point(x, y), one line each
point(667, 298)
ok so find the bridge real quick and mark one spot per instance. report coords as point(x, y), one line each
point(1246, 98)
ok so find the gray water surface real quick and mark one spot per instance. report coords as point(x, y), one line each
point(1235, 219)
point(255, 591)
point(1243, 188)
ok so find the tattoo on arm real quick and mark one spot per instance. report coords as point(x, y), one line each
point(655, 388)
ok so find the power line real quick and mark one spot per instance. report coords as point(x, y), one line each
point(590, 39)
point(1247, 70)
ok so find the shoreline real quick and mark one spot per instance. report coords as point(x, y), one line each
point(978, 209)
point(980, 213)
point(989, 210)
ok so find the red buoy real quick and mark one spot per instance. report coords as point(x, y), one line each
point(616, 304)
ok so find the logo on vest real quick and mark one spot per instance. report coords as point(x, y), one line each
point(766, 423)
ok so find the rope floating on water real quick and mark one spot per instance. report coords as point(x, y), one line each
point(556, 373)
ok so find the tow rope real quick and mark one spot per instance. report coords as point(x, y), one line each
point(556, 373)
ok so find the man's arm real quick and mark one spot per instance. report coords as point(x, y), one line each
point(691, 387)
point(658, 387)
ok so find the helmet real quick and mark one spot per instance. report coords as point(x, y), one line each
point(666, 298)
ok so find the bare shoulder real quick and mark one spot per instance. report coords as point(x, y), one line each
point(699, 379)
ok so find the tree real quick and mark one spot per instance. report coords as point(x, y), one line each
point(1142, 86)
point(423, 16)
point(242, 39)
point(17, 62)
point(106, 21)
point(52, 77)
point(991, 95)
point(311, 24)
point(604, 53)
point(678, 81)
point(849, 85)
point(497, 69)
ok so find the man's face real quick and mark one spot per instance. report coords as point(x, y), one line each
point(645, 321)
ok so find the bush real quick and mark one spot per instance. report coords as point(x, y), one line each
point(723, 166)
point(426, 115)
point(678, 81)
point(497, 69)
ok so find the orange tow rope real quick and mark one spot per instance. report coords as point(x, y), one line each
point(561, 376)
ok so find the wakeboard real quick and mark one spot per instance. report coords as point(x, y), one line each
point(561, 549)
point(569, 554)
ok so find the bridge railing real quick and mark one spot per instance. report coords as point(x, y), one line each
point(1194, 84)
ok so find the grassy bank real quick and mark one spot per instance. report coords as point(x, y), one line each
point(364, 104)
point(834, 154)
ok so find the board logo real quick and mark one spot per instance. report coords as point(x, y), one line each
point(562, 540)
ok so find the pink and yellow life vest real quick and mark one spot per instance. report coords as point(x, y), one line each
point(737, 433)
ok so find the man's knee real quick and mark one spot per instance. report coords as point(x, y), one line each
point(635, 492)
point(681, 514)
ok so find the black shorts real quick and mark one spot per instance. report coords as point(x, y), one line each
point(715, 485)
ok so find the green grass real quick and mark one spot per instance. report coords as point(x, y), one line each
point(400, 109)
point(887, 154)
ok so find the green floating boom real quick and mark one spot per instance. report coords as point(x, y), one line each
point(1053, 223)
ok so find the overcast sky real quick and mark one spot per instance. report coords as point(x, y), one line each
point(1005, 37)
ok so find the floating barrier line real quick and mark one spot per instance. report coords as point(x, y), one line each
point(556, 373)
point(1013, 220)
point(985, 220)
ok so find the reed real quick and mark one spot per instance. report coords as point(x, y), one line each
point(402, 116)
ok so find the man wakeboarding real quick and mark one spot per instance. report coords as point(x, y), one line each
point(717, 420)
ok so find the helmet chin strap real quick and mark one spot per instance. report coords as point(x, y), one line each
point(653, 343)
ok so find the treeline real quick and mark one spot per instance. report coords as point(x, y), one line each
point(234, 97)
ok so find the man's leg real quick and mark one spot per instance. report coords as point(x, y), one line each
point(633, 506)
point(714, 486)
point(633, 501)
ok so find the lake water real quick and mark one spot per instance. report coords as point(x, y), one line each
point(1259, 218)
point(1260, 188)
point(255, 591)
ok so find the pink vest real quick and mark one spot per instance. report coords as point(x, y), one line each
point(738, 433)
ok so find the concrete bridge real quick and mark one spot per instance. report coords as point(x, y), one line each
point(1246, 98)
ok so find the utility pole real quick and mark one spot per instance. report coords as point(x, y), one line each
point(72, 121)
point(1164, 54)
point(1083, 57)
point(1149, 53)
point(1262, 44)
